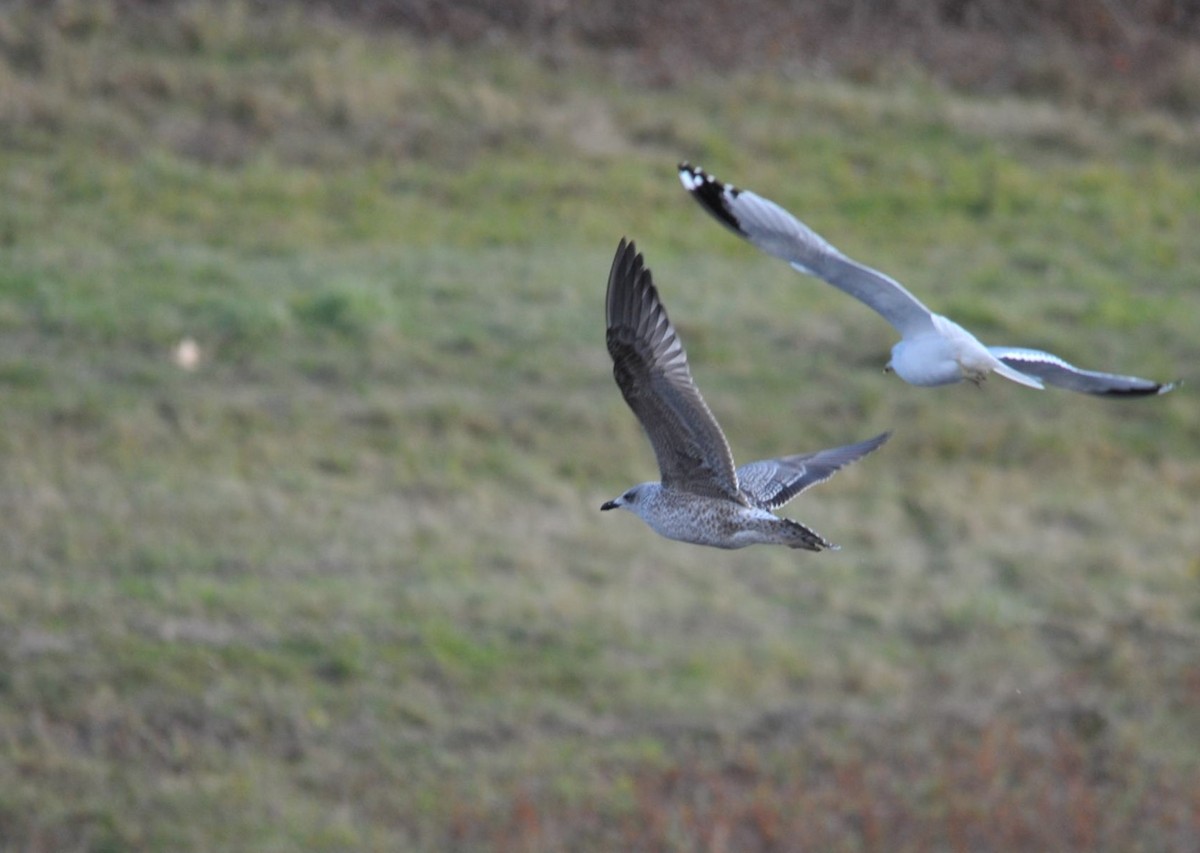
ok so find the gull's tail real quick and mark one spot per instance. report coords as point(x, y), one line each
point(1017, 376)
point(796, 535)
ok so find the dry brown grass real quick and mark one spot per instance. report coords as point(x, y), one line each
point(1118, 54)
point(1004, 785)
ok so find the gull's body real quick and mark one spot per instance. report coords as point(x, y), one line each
point(701, 497)
point(933, 350)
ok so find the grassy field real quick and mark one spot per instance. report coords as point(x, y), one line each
point(344, 584)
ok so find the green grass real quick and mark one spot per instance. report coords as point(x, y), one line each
point(345, 585)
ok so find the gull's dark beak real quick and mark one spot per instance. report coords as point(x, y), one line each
point(609, 505)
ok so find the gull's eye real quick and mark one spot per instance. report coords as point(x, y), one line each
point(630, 497)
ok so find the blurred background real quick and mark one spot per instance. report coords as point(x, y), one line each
point(307, 419)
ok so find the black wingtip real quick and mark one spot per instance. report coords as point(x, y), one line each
point(628, 275)
point(627, 255)
point(712, 195)
point(1134, 393)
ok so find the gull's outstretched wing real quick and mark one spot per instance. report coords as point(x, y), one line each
point(1056, 371)
point(651, 369)
point(779, 233)
point(770, 483)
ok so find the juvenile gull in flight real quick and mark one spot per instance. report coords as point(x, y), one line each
point(701, 498)
point(933, 350)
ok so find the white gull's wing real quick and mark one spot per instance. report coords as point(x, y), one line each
point(770, 483)
point(1056, 371)
point(651, 370)
point(779, 233)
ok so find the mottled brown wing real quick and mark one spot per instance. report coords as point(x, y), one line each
point(770, 483)
point(651, 370)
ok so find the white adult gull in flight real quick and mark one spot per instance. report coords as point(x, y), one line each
point(702, 498)
point(933, 350)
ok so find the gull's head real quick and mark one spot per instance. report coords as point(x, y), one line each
point(633, 500)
